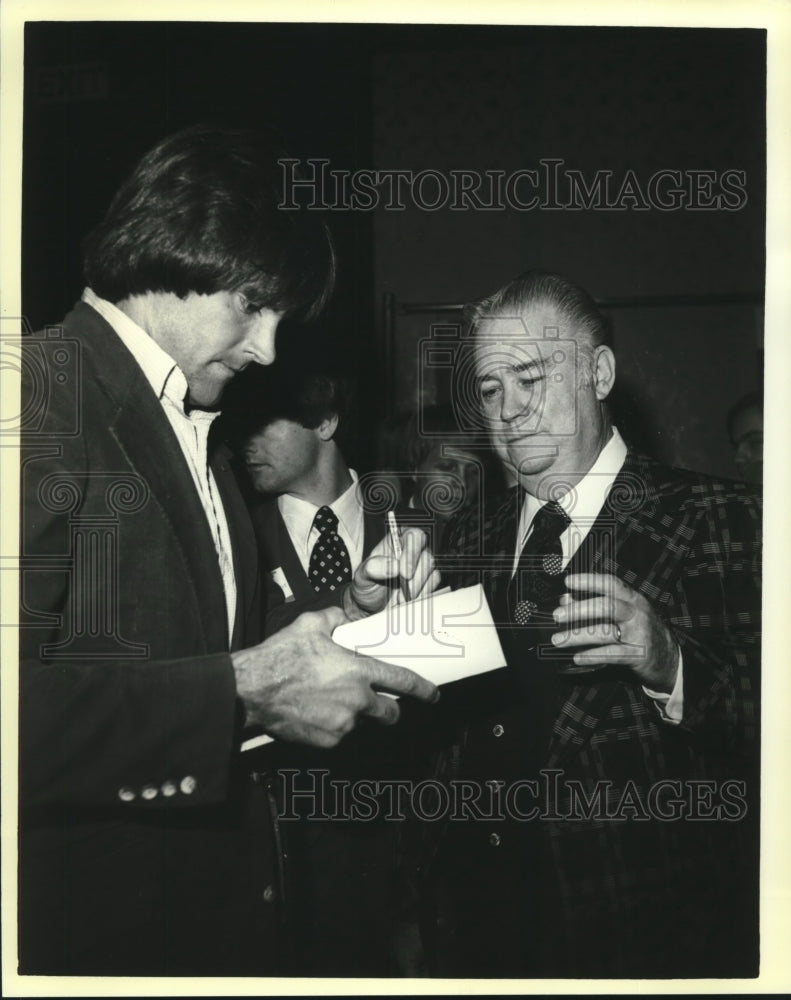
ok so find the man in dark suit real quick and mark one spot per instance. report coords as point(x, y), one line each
point(613, 764)
point(289, 429)
point(149, 840)
point(745, 423)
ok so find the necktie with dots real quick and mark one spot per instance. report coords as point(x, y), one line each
point(330, 567)
point(538, 581)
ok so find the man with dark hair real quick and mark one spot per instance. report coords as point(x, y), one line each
point(198, 218)
point(614, 831)
point(286, 426)
point(149, 838)
point(313, 530)
point(745, 422)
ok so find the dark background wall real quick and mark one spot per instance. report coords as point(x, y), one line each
point(98, 95)
point(445, 98)
point(599, 100)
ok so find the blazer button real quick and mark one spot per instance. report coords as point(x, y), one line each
point(188, 785)
point(494, 839)
point(497, 730)
point(126, 794)
point(169, 789)
point(269, 894)
point(150, 792)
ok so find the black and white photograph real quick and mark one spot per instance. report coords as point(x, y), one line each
point(384, 431)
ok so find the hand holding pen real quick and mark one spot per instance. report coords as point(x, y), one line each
point(402, 558)
point(398, 550)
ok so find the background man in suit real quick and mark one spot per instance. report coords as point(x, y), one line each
point(745, 422)
point(289, 428)
point(148, 842)
point(627, 596)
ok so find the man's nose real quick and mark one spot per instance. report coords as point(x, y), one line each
point(261, 341)
point(513, 403)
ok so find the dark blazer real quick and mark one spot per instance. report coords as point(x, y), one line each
point(145, 846)
point(343, 871)
point(618, 892)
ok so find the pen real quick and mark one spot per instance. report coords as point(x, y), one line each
point(395, 538)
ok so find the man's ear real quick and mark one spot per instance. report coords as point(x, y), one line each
point(327, 427)
point(603, 371)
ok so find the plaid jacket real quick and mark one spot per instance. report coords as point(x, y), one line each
point(641, 882)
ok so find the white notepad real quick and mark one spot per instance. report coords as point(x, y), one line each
point(445, 637)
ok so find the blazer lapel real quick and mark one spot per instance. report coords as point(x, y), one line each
point(290, 564)
point(144, 434)
point(276, 548)
point(143, 431)
point(264, 515)
point(629, 508)
point(499, 535)
point(245, 550)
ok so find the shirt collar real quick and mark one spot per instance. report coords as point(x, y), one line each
point(347, 506)
point(299, 514)
point(584, 501)
point(161, 371)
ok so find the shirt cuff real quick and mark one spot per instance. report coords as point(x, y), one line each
point(671, 706)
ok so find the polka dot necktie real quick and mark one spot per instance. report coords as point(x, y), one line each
point(538, 581)
point(330, 566)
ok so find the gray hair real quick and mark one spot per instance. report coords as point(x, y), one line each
point(543, 287)
point(535, 288)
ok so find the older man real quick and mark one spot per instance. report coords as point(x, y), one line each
point(610, 770)
point(148, 842)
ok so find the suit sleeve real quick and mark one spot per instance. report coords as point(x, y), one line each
point(284, 613)
point(717, 622)
point(126, 726)
point(154, 733)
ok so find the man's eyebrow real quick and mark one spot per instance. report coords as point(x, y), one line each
point(531, 365)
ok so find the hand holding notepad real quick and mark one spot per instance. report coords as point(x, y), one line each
point(445, 637)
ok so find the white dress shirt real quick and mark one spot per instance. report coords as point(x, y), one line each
point(191, 430)
point(299, 514)
point(583, 504)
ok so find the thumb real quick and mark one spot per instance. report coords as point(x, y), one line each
point(329, 619)
point(376, 569)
